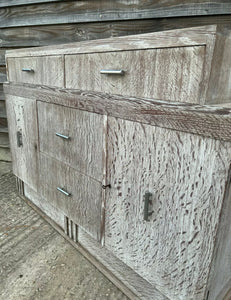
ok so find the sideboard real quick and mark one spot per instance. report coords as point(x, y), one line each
point(124, 144)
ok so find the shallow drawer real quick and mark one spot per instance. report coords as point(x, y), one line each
point(173, 74)
point(72, 136)
point(77, 195)
point(47, 70)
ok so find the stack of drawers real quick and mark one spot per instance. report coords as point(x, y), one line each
point(118, 139)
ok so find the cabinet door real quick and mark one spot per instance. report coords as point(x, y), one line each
point(186, 176)
point(22, 124)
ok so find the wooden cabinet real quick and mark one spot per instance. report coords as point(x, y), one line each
point(125, 143)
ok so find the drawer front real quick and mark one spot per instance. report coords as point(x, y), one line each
point(172, 74)
point(172, 250)
point(72, 136)
point(83, 205)
point(37, 70)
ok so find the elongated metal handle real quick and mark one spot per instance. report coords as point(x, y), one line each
point(27, 70)
point(112, 72)
point(63, 136)
point(147, 201)
point(64, 192)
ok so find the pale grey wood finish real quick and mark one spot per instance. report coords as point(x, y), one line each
point(22, 117)
point(83, 206)
point(50, 210)
point(47, 70)
point(138, 285)
point(212, 121)
point(172, 38)
point(219, 285)
point(186, 175)
point(64, 12)
point(172, 74)
point(84, 150)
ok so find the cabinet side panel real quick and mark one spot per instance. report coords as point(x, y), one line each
point(186, 175)
point(22, 123)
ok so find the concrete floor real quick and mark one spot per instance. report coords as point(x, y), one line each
point(35, 261)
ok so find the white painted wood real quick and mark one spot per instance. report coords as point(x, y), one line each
point(186, 175)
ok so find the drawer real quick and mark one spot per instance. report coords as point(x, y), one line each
point(82, 205)
point(172, 74)
point(72, 136)
point(47, 70)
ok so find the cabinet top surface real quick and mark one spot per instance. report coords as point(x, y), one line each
point(172, 38)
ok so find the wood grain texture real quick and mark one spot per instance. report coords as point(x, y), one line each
point(84, 150)
point(174, 250)
point(47, 70)
point(138, 285)
point(96, 262)
point(6, 3)
point(83, 206)
point(22, 117)
point(145, 73)
point(65, 12)
point(51, 211)
point(207, 120)
point(173, 38)
point(219, 285)
point(68, 33)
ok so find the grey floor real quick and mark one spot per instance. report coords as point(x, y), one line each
point(35, 261)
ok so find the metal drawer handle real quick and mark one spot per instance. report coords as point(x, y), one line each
point(64, 192)
point(147, 201)
point(27, 70)
point(63, 136)
point(112, 72)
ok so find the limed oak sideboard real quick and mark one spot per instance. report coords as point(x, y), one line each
point(124, 145)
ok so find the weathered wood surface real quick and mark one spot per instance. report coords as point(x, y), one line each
point(208, 121)
point(83, 206)
point(219, 85)
point(64, 12)
point(138, 285)
point(83, 150)
point(68, 33)
point(186, 175)
point(7, 3)
point(172, 74)
point(194, 36)
point(47, 70)
point(99, 263)
point(51, 211)
point(219, 285)
point(22, 117)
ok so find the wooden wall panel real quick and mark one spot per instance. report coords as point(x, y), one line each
point(66, 12)
point(32, 36)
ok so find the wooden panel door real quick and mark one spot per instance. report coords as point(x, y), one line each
point(23, 135)
point(172, 74)
point(186, 175)
point(80, 195)
point(81, 144)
